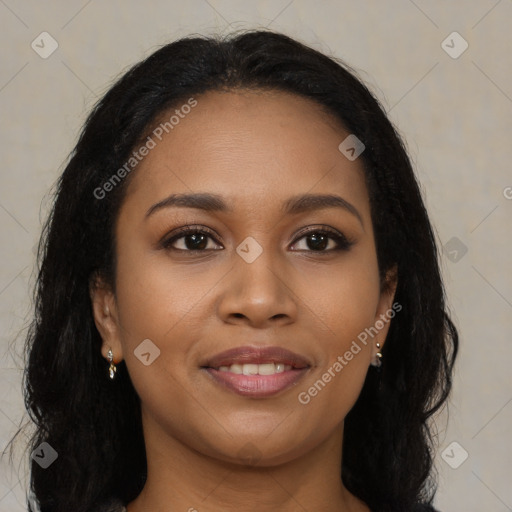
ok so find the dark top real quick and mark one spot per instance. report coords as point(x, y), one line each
point(117, 506)
point(113, 505)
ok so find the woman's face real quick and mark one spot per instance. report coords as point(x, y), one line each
point(265, 274)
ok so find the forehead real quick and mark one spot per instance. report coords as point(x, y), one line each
point(247, 146)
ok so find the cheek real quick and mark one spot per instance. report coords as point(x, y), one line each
point(344, 303)
point(153, 299)
point(154, 295)
point(344, 300)
point(345, 353)
point(168, 304)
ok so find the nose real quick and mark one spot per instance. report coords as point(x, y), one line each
point(259, 294)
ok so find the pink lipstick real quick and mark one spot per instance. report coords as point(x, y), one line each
point(257, 372)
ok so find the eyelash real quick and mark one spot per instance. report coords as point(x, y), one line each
point(343, 243)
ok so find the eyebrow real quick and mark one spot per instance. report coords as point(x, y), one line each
point(292, 206)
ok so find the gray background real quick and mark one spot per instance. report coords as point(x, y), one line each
point(454, 113)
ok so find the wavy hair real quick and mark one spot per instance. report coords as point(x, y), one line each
point(93, 423)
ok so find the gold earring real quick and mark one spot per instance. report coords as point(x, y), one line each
point(378, 357)
point(112, 368)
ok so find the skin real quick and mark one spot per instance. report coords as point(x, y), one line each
point(209, 449)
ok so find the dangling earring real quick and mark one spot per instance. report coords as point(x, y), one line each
point(112, 368)
point(378, 356)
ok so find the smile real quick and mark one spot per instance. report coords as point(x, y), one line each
point(256, 372)
point(256, 369)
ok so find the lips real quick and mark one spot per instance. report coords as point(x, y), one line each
point(256, 372)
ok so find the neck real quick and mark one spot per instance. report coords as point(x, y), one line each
point(181, 478)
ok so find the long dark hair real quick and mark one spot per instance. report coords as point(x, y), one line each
point(93, 423)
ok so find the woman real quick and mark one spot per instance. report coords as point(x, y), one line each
point(239, 303)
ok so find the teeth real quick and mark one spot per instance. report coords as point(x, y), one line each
point(256, 369)
point(267, 369)
point(235, 368)
point(250, 369)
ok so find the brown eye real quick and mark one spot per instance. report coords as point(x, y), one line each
point(195, 239)
point(318, 240)
point(191, 239)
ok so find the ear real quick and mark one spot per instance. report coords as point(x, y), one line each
point(105, 314)
point(386, 310)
